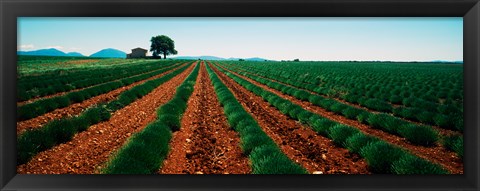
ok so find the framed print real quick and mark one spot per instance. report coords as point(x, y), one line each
point(239, 95)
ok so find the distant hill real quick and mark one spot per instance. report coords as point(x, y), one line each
point(109, 53)
point(216, 58)
point(198, 57)
point(444, 61)
point(43, 52)
point(249, 59)
point(74, 54)
point(48, 52)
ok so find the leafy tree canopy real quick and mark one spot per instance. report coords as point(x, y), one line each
point(162, 44)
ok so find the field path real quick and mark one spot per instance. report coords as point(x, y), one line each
point(88, 150)
point(298, 142)
point(437, 154)
point(205, 144)
point(77, 108)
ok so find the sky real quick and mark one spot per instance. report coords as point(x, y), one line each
point(279, 38)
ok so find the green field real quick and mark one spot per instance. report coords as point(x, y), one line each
point(393, 117)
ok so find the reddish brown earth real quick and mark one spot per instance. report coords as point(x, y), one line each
point(90, 149)
point(79, 61)
point(437, 154)
point(77, 108)
point(76, 90)
point(441, 131)
point(205, 144)
point(298, 142)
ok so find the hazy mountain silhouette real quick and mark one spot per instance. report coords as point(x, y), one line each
point(43, 52)
point(75, 54)
point(217, 58)
point(109, 53)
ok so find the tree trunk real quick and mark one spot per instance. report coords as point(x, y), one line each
point(164, 55)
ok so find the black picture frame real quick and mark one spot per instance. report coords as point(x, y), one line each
point(11, 9)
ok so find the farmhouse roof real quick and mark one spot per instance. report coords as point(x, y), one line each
point(138, 49)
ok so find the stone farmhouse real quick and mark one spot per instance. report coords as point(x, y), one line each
point(137, 53)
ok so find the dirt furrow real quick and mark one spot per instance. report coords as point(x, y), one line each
point(298, 142)
point(79, 89)
point(77, 108)
point(437, 154)
point(205, 144)
point(442, 131)
point(90, 149)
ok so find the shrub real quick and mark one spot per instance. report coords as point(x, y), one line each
point(76, 97)
point(419, 134)
point(378, 105)
point(443, 121)
point(235, 117)
point(251, 128)
point(304, 116)
point(458, 123)
point(315, 99)
point(252, 141)
point(144, 152)
point(81, 123)
point(171, 121)
point(301, 94)
point(351, 112)
point(410, 164)
point(232, 108)
point(249, 121)
point(384, 122)
point(352, 98)
point(32, 142)
point(29, 111)
point(409, 101)
point(93, 115)
point(395, 99)
point(363, 117)
point(454, 143)
point(337, 108)
point(270, 160)
point(326, 103)
point(380, 156)
point(357, 141)
point(114, 105)
point(170, 108)
point(62, 101)
point(447, 109)
point(322, 126)
point(294, 111)
point(283, 106)
point(425, 117)
point(339, 133)
point(62, 130)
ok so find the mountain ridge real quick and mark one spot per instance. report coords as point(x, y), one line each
point(48, 52)
point(217, 58)
point(109, 53)
point(104, 53)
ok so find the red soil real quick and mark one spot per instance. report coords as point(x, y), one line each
point(437, 154)
point(298, 142)
point(205, 144)
point(78, 61)
point(77, 108)
point(89, 150)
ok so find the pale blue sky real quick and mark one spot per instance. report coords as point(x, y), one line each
point(395, 39)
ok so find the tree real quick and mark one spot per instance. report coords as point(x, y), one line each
point(162, 45)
